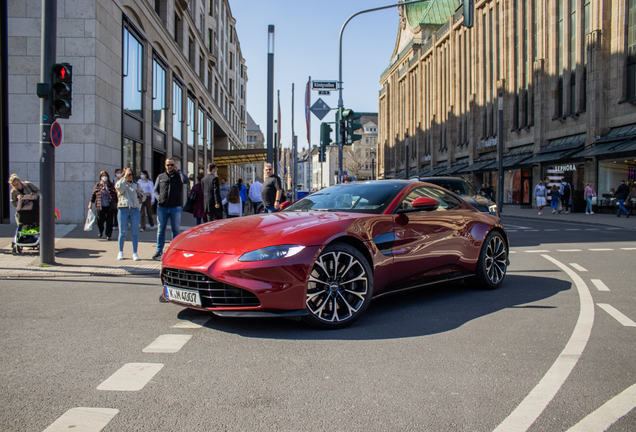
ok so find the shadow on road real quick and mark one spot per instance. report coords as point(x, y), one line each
point(418, 313)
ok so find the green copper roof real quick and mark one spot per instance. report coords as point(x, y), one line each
point(434, 12)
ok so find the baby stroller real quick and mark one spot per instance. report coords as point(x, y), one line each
point(27, 216)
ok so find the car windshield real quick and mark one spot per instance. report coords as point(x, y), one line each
point(460, 187)
point(368, 197)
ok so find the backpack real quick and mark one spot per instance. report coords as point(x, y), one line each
point(567, 191)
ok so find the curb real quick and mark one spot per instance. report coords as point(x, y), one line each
point(80, 272)
point(591, 222)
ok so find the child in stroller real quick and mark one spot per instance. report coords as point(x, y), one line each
point(25, 198)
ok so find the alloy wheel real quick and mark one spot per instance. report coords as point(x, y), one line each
point(496, 259)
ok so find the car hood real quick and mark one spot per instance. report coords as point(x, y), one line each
point(240, 235)
point(477, 200)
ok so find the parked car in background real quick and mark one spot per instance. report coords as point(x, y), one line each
point(464, 189)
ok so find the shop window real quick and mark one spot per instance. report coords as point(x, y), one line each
point(191, 123)
point(132, 155)
point(177, 111)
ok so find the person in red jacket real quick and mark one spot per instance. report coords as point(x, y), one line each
point(105, 198)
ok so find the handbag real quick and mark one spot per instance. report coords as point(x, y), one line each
point(593, 200)
point(189, 205)
point(90, 220)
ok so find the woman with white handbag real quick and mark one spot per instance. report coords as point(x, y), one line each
point(590, 198)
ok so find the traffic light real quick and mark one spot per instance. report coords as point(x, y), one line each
point(63, 90)
point(469, 11)
point(322, 154)
point(325, 134)
point(349, 118)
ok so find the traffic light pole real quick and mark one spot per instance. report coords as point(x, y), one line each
point(47, 150)
point(340, 102)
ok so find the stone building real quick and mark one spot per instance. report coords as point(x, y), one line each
point(567, 73)
point(254, 139)
point(359, 158)
point(152, 79)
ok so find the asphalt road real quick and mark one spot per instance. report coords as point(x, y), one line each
point(450, 358)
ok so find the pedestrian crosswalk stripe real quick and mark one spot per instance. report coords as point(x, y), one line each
point(169, 343)
point(131, 377)
point(83, 419)
point(537, 251)
point(578, 267)
point(600, 285)
point(628, 248)
point(600, 250)
point(193, 323)
point(617, 315)
point(573, 229)
point(569, 250)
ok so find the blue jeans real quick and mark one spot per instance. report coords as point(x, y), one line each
point(588, 206)
point(621, 207)
point(270, 209)
point(163, 213)
point(125, 215)
point(554, 203)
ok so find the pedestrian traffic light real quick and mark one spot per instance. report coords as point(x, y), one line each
point(469, 10)
point(62, 90)
point(351, 125)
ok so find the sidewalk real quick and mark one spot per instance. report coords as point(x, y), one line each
point(80, 253)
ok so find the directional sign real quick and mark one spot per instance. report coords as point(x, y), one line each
point(324, 85)
point(56, 134)
point(320, 109)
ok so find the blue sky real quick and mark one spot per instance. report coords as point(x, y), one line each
point(306, 44)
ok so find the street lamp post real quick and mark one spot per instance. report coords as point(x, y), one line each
point(372, 165)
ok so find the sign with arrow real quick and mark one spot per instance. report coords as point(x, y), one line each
point(320, 109)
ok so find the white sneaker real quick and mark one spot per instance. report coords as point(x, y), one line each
point(120, 256)
point(141, 229)
point(135, 257)
point(587, 212)
point(591, 212)
point(553, 211)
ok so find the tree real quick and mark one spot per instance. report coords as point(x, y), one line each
point(356, 162)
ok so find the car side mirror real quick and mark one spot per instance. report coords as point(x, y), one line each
point(421, 204)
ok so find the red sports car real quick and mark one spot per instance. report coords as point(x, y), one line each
point(326, 256)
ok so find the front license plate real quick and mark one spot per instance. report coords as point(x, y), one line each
point(190, 297)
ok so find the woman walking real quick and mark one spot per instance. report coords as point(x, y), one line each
point(130, 199)
point(555, 197)
point(242, 192)
point(105, 198)
point(147, 187)
point(589, 193)
point(540, 193)
point(200, 216)
point(235, 203)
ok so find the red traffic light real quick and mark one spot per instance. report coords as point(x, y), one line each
point(62, 73)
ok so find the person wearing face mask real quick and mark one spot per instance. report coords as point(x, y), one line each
point(115, 179)
point(105, 198)
point(147, 187)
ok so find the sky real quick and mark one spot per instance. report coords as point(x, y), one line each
point(306, 44)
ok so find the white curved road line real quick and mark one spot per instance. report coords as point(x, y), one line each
point(538, 399)
point(601, 419)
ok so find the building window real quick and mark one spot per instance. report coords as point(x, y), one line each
point(211, 7)
point(177, 111)
point(191, 122)
point(573, 28)
point(201, 129)
point(178, 30)
point(231, 62)
point(158, 95)
point(133, 73)
point(191, 56)
point(201, 67)
point(535, 29)
point(209, 40)
point(133, 155)
point(631, 50)
point(208, 135)
point(560, 37)
point(586, 26)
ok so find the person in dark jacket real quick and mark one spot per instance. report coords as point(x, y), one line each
point(212, 194)
point(566, 193)
point(105, 198)
point(199, 203)
point(621, 195)
point(169, 194)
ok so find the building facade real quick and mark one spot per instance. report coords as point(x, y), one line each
point(359, 158)
point(254, 139)
point(152, 79)
point(566, 72)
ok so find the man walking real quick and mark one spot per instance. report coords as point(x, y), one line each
point(272, 190)
point(212, 194)
point(621, 195)
point(566, 193)
point(540, 193)
point(224, 189)
point(169, 194)
point(255, 194)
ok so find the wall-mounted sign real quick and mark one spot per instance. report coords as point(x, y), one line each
point(492, 142)
point(564, 168)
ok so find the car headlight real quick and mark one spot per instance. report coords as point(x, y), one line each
point(272, 252)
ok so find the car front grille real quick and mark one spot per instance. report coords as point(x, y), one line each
point(212, 293)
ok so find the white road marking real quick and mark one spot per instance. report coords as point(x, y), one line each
point(83, 420)
point(611, 411)
point(612, 229)
point(569, 250)
point(512, 252)
point(509, 230)
point(170, 343)
point(538, 399)
point(517, 227)
point(573, 229)
point(618, 316)
point(549, 229)
point(194, 323)
point(531, 230)
point(600, 250)
point(578, 267)
point(131, 377)
point(628, 248)
point(600, 285)
point(537, 251)
point(592, 229)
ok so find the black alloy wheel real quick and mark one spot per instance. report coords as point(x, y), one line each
point(493, 261)
point(339, 288)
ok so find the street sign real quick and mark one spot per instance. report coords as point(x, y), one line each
point(324, 85)
point(324, 92)
point(320, 109)
point(56, 134)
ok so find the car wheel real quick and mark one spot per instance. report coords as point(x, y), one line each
point(339, 288)
point(493, 261)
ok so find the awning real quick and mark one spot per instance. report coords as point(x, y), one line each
point(239, 157)
point(441, 167)
point(543, 157)
point(453, 169)
point(515, 160)
point(608, 148)
point(479, 165)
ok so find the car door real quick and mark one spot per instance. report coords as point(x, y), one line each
point(428, 243)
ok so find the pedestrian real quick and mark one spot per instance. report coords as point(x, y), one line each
point(272, 190)
point(621, 195)
point(234, 202)
point(147, 187)
point(212, 194)
point(20, 188)
point(169, 194)
point(224, 188)
point(255, 194)
point(555, 196)
point(129, 202)
point(242, 192)
point(566, 195)
point(540, 193)
point(589, 193)
point(105, 198)
point(115, 180)
point(199, 203)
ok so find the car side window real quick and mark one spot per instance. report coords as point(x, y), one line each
point(446, 200)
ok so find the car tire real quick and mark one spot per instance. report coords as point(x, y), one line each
point(339, 288)
point(493, 261)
